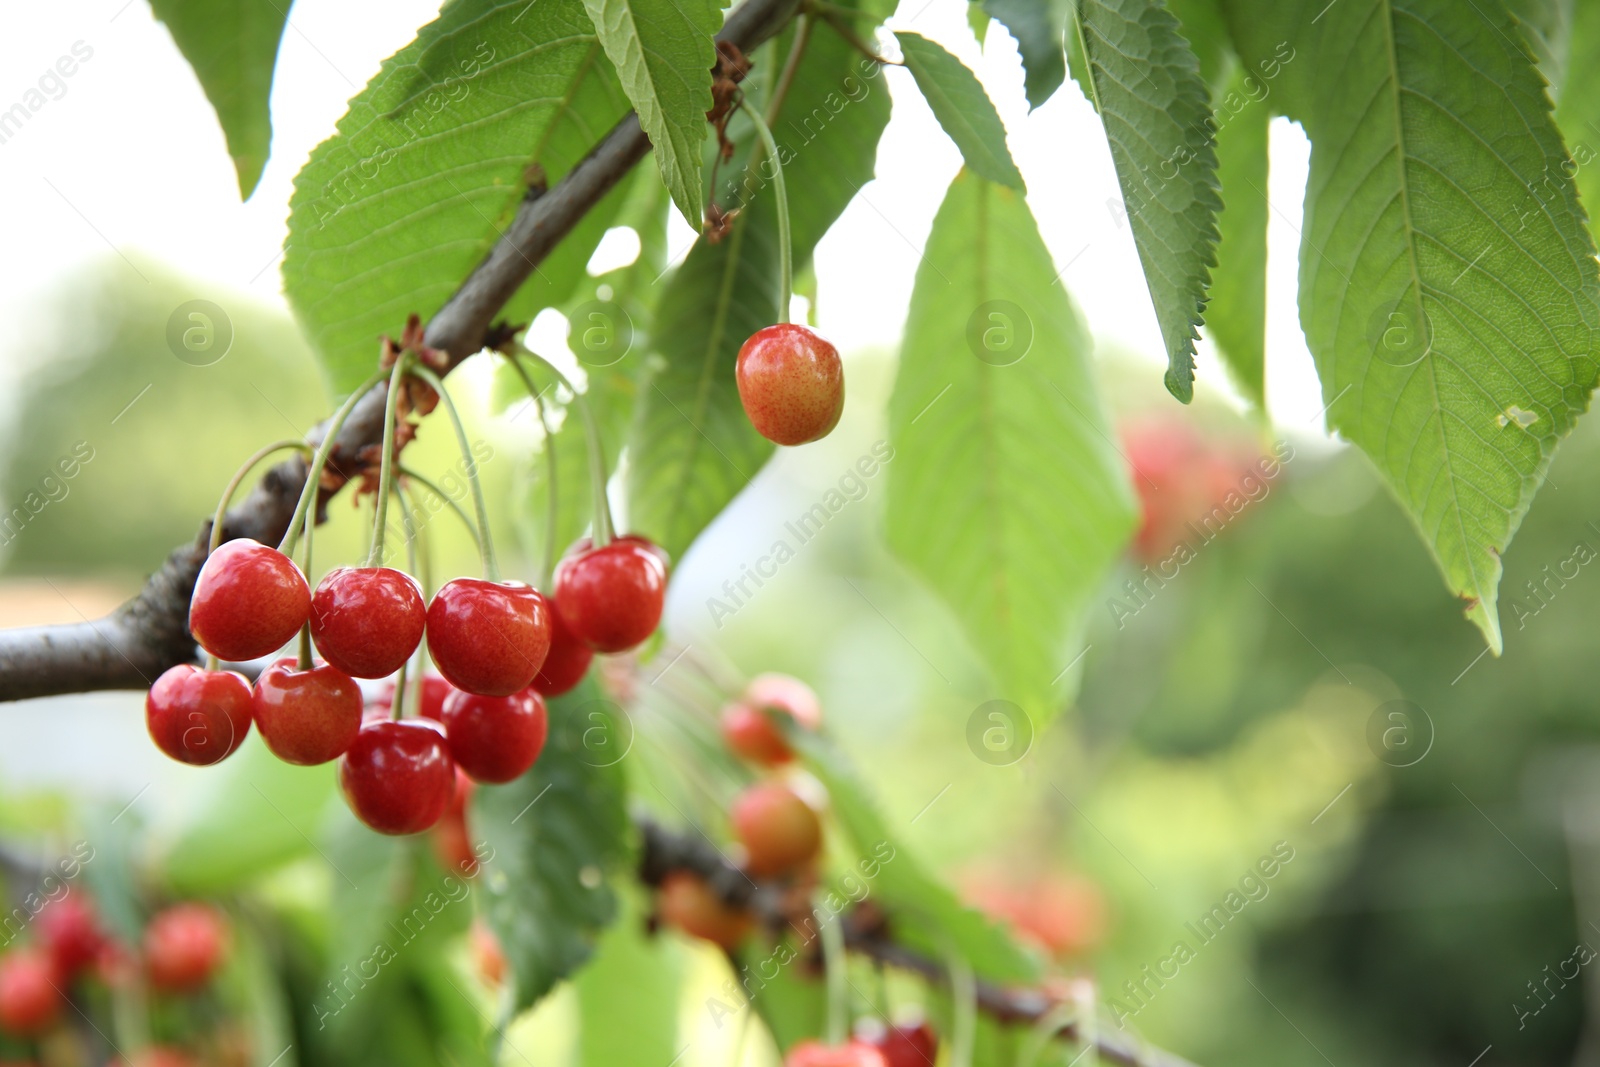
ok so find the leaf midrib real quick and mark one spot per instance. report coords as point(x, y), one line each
point(1411, 233)
point(986, 404)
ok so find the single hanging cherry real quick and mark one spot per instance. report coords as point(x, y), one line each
point(791, 384)
point(567, 662)
point(488, 638)
point(198, 716)
point(249, 601)
point(779, 831)
point(398, 776)
point(611, 597)
point(366, 621)
point(307, 716)
point(495, 739)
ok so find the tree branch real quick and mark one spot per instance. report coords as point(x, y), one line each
point(130, 647)
point(869, 931)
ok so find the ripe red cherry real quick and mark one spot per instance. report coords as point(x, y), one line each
point(71, 934)
point(906, 1045)
point(249, 601)
point(198, 716)
point(29, 999)
point(567, 662)
point(183, 946)
point(850, 1054)
point(488, 638)
point(397, 776)
point(307, 717)
point(747, 726)
point(495, 739)
point(791, 384)
point(779, 831)
point(367, 621)
point(611, 597)
point(687, 902)
point(452, 842)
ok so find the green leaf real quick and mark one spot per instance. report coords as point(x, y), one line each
point(1006, 493)
point(233, 46)
point(557, 833)
point(634, 977)
point(664, 53)
point(977, 20)
point(1578, 113)
point(1448, 284)
point(692, 448)
point(962, 108)
point(1039, 28)
point(925, 915)
point(1546, 25)
point(429, 165)
point(1157, 116)
point(1237, 319)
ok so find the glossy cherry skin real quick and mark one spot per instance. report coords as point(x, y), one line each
point(367, 621)
point(306, 717)
point(791, 384)
point(687, 902)
point(70, 933)
point(488, 638)
point(747, 726)
point(906, 1045)
point(850, 1054)
point(495, 739)
point(611, 597)
point(249, 601)
point(779, 831)
point(397, 776)
point(198, 716)
point(452, 842)
point(567, 662)
point(183, 947)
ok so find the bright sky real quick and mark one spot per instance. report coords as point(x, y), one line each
point(129, 157)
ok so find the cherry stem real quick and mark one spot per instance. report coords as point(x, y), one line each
point(552, 522)
point(421, 563)
point(603, 529)
point(398, 699)
point(833, 963)
point(791, 66)
point(238, 479)
point(785, 253)
point(320, 459)
point(491, 569)
point(964, 1003)
point(444, 498)
point(304, 661)
point(391, 412)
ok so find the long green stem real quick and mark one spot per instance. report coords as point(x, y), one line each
point(320, 459)
point(603, 531)
point(391, 411)
point(964, 1004)
point(445, 498)
point(421, 564)
point(833, 964)
point(491, 569)
point(785, 254)
point(552, 519)
point(238, 479)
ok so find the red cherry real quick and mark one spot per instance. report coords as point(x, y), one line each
point(495, 739)
point(71, 934)
point(183, 946)
point(567, 662)
point(307, 717)
point(687, 902)
point(162, 1056)
point(452, 842)
point(850, 1054)
point(747, 726)
point(779, 831)
point(434, 691)
point(249, 601)
point(397, 776)
point(29, 999)
point(198, 716)
point(367, 620)
point(488, 638)
point(791, 384)
point(611, 597)
point(906, 1045)
point(490, 957)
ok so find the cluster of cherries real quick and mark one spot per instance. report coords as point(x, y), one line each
point(500, 647)
point(182, 948)
point(781, 835)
